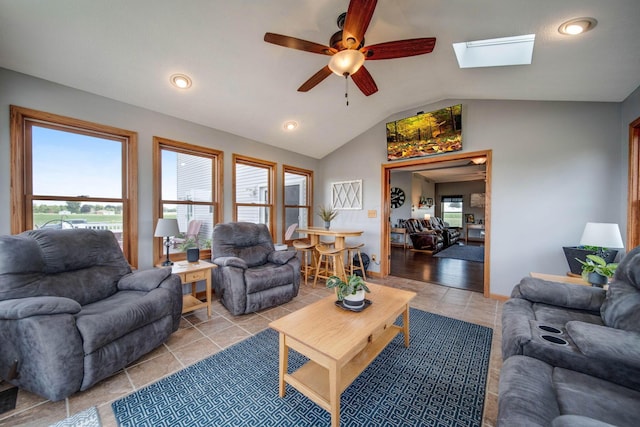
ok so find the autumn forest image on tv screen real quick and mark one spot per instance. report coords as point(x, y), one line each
point(425, 134)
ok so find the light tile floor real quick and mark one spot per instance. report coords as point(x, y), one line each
point(199, 337)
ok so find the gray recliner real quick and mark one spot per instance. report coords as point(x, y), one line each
point(572, 352)
point(73, 313)
point(251, 274)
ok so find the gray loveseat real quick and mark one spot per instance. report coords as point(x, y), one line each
point(586, 340)
point(251, 274)
point(73, 313)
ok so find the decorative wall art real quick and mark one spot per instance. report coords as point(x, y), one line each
point(347, 194)
point(425, 134)
point(469, 219)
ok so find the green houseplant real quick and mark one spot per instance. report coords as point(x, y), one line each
point(596, 270)
point(350, 293)
point(327, 214)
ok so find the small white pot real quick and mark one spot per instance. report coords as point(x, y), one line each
point(354, 300)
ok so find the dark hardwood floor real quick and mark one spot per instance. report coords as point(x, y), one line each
point(424, 267)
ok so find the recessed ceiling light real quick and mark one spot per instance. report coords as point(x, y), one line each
point(577, 26)
point(181, 81)
point(290, 125)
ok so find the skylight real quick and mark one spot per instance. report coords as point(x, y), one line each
point(515, 50)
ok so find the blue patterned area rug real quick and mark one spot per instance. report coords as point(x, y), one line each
point(464, 252)
point(439, 380)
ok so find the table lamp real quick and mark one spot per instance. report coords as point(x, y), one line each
point(602, 236)
point(167, 228)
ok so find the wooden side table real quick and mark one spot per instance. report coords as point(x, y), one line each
point(560, 279)
point(192, 272)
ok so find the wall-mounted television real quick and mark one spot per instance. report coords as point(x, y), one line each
point(425, 134)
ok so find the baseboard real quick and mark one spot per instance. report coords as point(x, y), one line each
point(499, 297)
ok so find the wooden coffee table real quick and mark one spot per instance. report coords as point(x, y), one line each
point(340, 344)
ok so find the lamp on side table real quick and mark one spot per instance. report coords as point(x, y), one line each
point(167, 228)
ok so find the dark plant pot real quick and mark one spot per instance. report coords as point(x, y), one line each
point(597, 280)
point(573, 252)
point(193, 255)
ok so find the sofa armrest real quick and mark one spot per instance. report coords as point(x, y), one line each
point(21, 308)
point(604, 343)
point(281, 257)
point(230, 261)
point(566, 295)
point(144, 280)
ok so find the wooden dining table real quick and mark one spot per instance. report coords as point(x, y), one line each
point(339, 234)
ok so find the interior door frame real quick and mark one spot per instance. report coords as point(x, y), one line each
point(385, 226)
point(633, 206)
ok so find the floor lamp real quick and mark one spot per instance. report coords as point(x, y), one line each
point(167, 228)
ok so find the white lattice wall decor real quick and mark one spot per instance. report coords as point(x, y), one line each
point(347, 194)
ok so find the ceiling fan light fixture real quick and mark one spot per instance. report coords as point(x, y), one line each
point(479, 160)
point(181, 81)
point(346, 61)
point(577, 26)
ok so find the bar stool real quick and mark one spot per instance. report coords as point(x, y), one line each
point(333, 263)
point(352, 252)
point(307, 257)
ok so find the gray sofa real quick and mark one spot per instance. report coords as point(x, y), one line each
point(72, 312)
point(588, 338)
point(251, 274)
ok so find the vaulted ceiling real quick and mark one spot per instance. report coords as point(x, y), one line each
point(126, 50)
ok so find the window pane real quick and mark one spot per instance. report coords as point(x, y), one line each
point(195, 223)
point(65, 214)
point(252, 185)
point(452, 213)
point(255, 214)
point(72, 164)
point(295, 189)
point(186, 177)
point(296, 215)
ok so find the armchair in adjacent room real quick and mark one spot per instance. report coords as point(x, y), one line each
point(251, 274)
point(423, 238)
point(72, 312)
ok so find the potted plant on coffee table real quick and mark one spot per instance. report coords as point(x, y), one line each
point(596, 270)
point(350, 293)
point(327, 214)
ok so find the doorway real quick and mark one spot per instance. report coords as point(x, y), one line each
point(416, 164)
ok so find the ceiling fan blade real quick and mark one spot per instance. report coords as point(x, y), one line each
point(356, 22)
point(364, 81)
point(299, 44)
point(315, 79)
point(399, 48)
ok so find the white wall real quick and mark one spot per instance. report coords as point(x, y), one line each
point(25, 91)
point(556, 166)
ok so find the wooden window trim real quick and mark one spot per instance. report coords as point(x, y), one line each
point(217, 187)
point(21, 174)
point(299, 171)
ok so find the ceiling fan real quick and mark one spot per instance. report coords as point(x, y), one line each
point(347, 50)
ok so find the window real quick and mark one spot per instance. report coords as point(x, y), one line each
point(188, 185)
point(253, 190)
point(68, 173)
point(452, 210)
point(298, 198)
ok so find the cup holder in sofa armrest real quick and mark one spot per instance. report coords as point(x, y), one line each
point(550, 329)
point(553, 339)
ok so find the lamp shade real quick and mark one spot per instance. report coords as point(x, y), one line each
point(166, 228)
point(427, 217)
point(346, 61)
point(602, 235)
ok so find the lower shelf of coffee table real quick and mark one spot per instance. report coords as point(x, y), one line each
point(312, 379)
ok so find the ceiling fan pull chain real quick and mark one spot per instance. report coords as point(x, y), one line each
point(346, 87)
